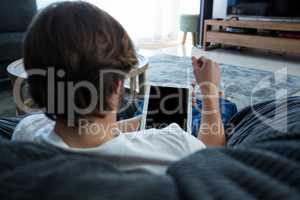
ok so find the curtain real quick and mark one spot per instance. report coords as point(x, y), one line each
point(146, 20)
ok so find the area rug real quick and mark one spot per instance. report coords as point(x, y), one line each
point(244, 86)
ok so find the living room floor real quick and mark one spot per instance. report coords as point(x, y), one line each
point(255, 59)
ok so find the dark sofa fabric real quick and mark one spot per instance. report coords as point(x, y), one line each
point(266, 121)
point(241, 173)
point(262, 160)
point(16, 15)
point(11, 46)
point(30, 171)
point(259, 165)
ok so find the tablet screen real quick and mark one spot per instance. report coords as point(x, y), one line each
point(167, 105)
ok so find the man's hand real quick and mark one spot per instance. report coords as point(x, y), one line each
point(208, 76)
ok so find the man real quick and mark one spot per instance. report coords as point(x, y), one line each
point(77, 57)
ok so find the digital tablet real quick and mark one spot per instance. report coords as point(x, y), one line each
point(166, 104)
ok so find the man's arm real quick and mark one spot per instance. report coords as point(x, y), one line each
point(207, 74)
point(211, 130)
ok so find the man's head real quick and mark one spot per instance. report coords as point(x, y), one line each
point(74, 52)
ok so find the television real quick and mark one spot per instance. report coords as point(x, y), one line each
point(264, 8)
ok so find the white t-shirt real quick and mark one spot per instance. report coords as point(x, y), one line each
point(144, 151)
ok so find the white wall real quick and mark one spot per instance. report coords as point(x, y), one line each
point(220, 8)
point(189, 6)
point(44, 3)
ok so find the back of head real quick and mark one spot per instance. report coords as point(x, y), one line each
point(72, 52)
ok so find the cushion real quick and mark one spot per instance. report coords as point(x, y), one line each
point(15, 15)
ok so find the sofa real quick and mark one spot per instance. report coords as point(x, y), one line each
point(260, 162)
point(15, 16)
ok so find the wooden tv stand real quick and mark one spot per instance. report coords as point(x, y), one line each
point(273, 43)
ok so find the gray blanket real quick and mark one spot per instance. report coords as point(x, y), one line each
point(260, 162)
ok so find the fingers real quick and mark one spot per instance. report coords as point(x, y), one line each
point(194, 58)
point(201, 62)
point(217, 65)
point(194, 61)
point(197, 62)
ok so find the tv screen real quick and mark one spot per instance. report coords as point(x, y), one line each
point(264, 8)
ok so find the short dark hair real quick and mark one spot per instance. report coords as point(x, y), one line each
point(81, 40)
